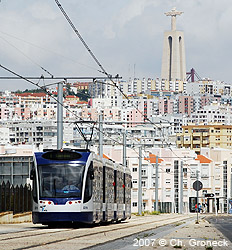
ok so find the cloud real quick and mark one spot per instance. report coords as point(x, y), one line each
point(41, 11)
point(120, 33)
point(130, 11)
point(134, 9)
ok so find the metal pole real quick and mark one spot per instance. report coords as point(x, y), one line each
point(229, 204)
point(60, 116)
point(100, 135)
point(215, 200)
point(11, 172)
point(231, 186)
point(181, 187)
point(215, 204)
point(156, 184)
point(140, 182)
point(197, 200)
point(124, 148)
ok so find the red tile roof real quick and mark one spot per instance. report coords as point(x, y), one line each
point(71, 96)
point(82, 102)
point(152, 158)
point(203, 159)
point(32, 94)
point(106, 157)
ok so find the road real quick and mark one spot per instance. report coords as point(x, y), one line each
point(223, 224)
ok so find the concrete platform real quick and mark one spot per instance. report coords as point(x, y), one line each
point(191, 236)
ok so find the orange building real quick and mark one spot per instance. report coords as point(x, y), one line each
point(81, 85)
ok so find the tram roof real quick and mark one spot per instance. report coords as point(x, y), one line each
point(43, 161)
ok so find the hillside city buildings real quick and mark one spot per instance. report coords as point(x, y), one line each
point(176, 126)
point(186, 124)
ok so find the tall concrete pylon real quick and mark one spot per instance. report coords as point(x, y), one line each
point(173, 61)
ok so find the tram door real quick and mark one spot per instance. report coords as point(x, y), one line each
point(192, 203)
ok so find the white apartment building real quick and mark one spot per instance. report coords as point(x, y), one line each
point(4, 135)
point(102, 89)
point(16, 163)
point(39, 133)
point(214, 171)
point(172, 122)
point(208, 87)
point(108, 102)
point(211, 114)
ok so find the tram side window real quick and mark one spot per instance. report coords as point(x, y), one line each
point(89, 184)
point(104, 184)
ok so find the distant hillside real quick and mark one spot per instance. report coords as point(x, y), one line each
point(82, 94)
point(29, 91)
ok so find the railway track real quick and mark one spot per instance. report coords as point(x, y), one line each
point(82, 237)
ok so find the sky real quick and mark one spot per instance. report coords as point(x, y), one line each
point(126, 36)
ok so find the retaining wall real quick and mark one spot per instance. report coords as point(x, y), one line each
point(9, 218)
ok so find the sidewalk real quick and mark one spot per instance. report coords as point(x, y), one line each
point(191, 236)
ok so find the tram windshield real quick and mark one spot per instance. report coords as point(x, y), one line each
point(61, 180)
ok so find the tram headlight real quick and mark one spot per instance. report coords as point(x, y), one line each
point(73, 202)
point(47, 202)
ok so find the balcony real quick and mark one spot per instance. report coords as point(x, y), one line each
point(196, 134)
point(205, 141)
point(197, 142)
point(205, 134)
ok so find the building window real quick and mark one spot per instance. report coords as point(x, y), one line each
point(168, 170)
point(134, 204)
point(134, 169)
point(144, 205)
point(168, 181)
point(143, 172)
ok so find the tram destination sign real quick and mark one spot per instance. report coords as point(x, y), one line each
point(197, 185)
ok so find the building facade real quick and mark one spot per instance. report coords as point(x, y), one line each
point(211, 136)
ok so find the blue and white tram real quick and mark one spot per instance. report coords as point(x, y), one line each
point(79, 186)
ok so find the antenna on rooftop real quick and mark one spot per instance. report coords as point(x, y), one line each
point(134, 70)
